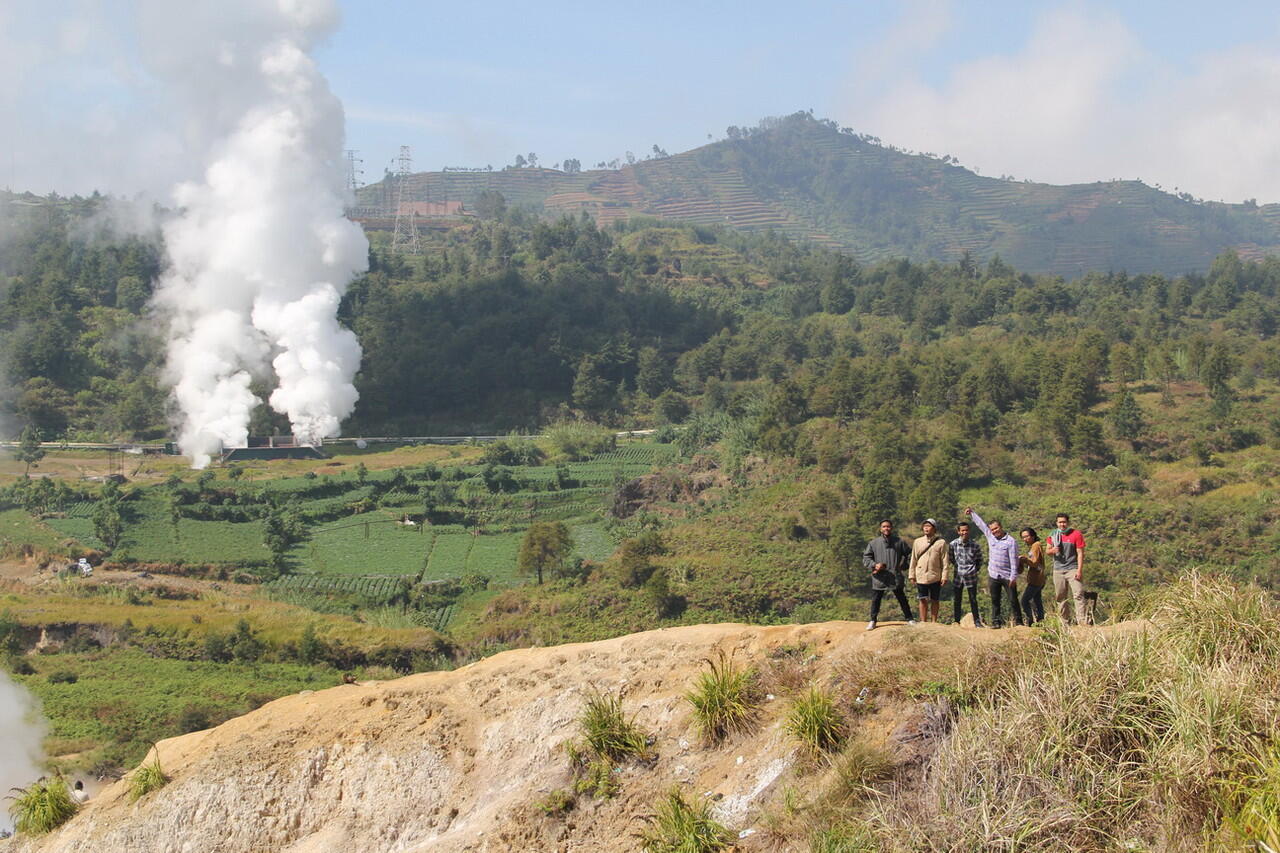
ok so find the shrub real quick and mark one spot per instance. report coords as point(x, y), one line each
point(42, 806)
point(63, 676)
point(147, 778)
point(814, 721)
point(557, 803)
point(724, 699)
point(682, 827)
point(579, 440)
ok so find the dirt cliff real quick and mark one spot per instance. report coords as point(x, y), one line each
point(457, 761)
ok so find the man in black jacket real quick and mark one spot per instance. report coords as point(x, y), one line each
point(887, 557)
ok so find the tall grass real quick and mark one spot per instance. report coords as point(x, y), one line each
point(1130, 740)
point(608, 737)
point(683, 827)
point(42, 806)
point(147, 778)
point(815, 722)
point(608, 732)
point(724, 699)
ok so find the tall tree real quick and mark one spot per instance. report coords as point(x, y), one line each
point(29, 449)
point(545, 547)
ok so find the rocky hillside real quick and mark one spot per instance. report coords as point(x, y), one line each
point(813, 181)
point(461, 760)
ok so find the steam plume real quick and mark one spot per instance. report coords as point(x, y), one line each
point(20, 736)
point(261, 253)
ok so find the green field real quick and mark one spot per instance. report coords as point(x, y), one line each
point(355, 547)
point(449, 556)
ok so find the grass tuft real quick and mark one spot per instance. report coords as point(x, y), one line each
point(147, 778)
point(724, 699)
point(683, 827)
point(42, 806)
point(607, 731)
point(815, 722)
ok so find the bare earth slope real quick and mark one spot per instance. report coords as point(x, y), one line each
point(454, 761)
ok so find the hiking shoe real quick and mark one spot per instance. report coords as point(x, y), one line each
point(871, 626)
point(911, 621)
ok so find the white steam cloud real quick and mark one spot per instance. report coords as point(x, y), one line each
point(261, 252)
point(21, 732)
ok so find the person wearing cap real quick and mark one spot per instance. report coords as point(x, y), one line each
point(930, 567)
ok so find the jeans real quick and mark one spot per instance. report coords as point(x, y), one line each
point(1033, 603)
point(957, 592)
point(998, 587)
point(878, 594)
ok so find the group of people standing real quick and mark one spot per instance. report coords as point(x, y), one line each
point(930, 562)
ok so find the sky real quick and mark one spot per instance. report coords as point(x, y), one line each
point(1181, 95)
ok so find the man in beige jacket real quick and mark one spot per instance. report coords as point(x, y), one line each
point(931, 567)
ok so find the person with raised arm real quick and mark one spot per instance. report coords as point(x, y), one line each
point(1002, 567)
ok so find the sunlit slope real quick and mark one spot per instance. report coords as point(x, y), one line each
point(807, 179)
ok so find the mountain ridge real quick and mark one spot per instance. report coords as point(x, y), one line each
point(812, 181)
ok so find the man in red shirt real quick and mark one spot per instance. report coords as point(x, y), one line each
point(1066, 544)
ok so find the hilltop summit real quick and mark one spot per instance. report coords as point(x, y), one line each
point(814, 181)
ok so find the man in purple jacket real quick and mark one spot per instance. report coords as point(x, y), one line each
point(1002, 567)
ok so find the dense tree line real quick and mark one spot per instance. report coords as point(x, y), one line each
point(510, 321)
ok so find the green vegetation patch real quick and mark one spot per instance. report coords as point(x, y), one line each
point(122, 700)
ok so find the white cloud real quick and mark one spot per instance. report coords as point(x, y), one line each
point(1083, 100)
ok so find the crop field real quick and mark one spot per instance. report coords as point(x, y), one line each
point(449, 556)
point(592, 542)
point(376, 545)
point(376, 589)
point(495, 557)
point(18, 527)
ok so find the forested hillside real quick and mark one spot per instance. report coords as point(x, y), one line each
point(813, 181)
point(510, 323)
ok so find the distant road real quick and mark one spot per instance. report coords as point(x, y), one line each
point(160, 447)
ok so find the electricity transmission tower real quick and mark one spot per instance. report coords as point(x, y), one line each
point(405, 239)
point(355, 177)
point(354, 172)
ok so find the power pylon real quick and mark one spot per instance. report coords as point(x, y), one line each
point(354, 172)
point(405, 240)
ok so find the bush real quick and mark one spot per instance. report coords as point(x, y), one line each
point(682, 827)
point(557, 803)
point(814, 721)
point(579, 440)
point(42, 806)
point(63, 676)
point(724, 699)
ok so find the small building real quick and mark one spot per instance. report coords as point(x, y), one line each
point(271, 447)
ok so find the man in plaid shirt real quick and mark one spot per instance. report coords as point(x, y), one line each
point(967, 556)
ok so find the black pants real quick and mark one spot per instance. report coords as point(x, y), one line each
point(1033, 603)
point(878, 594)
point(957, 592)
point(998, 587)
